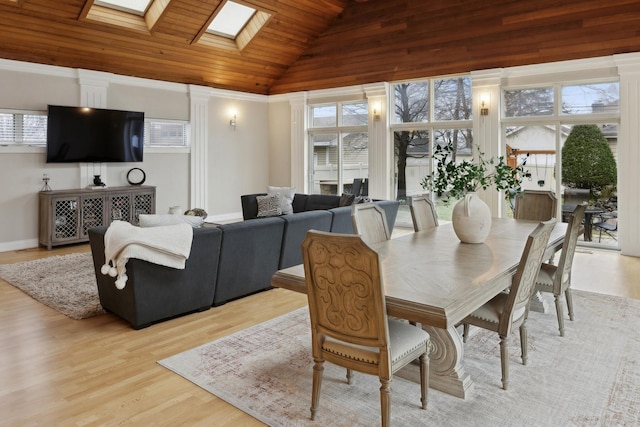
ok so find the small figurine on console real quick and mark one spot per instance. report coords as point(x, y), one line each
point(98, 182)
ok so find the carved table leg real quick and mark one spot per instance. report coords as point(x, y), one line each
point(539, 303)
point(446, 371)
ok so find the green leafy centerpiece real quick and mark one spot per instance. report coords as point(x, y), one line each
point(460, 180)
point(452, 180)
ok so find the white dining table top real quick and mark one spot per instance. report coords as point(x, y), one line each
point(431, 277)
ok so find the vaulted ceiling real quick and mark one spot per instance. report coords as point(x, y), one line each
point(294, 45)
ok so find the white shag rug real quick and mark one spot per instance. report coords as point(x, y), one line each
point(66, 283)
point(590, 377)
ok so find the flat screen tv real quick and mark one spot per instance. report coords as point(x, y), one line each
point(79, 134)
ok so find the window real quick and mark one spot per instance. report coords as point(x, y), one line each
point(340, 145)
point(411, 102)
point(536, 124)
point(166, 133)
point(25, 127)
point(528, 102)
point(452, 99)
point(132, 6)
point(231, 19)
point(591, 98)
point(428, 112)
point(324, 116)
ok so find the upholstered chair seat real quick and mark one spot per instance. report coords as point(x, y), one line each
point(349, 323)
point(509, 310)
point(556, 279)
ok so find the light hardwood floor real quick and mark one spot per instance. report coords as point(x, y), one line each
point(99, 371)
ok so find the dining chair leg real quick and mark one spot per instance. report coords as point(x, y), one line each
point(524, 342)
point(424, 379)
point(318, 368)
point(504, 361)
point(560, 314)
point(569, 297)
point(385, 401)
point(465, 332)
point(349, 375)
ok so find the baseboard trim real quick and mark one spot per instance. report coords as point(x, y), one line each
point(18, 245)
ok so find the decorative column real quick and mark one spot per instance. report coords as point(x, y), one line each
point(93, 93)
point(628, 154)
point(198, 117)
point(486, 128)
point(299, 143)
point(380, 147)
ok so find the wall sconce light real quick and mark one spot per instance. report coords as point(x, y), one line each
point(484, 106)
point(232, 122)
point(376, 111)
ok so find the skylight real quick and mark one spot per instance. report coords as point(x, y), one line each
point(134, 6)
point(231, 19)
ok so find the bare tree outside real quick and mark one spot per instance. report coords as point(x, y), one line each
point(452, 101)
point(529, 102)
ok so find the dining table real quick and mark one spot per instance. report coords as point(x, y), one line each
point(433, 279)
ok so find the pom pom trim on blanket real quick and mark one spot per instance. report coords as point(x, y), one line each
point(168, 245)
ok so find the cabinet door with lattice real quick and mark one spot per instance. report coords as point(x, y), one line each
point(92, 214)
point(143, 203)
point(119, 208)
point(65, 219)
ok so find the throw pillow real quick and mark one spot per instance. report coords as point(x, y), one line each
point(149, 220)
point(286, 197)
point(361, 199)
point(269, 205)
point(346, 199)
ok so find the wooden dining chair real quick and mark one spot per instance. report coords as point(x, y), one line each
point(370, 221)
point(556, 279)
point(356, 187)
point(535, 205)
point(509, 310)
point(423, 213)
point(349, 324)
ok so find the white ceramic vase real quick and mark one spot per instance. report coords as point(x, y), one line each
point(471, 219)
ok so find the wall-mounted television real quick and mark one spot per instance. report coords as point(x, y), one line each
point(79, 134)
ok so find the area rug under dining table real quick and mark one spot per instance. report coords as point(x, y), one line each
point(589, 377)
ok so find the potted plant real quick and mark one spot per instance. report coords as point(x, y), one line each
point(453, 179)
point(460, 180)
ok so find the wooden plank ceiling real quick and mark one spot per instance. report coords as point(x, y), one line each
point(296, 45)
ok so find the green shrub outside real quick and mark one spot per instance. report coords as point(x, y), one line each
point(587, 160)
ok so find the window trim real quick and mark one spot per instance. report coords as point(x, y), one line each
point(22, 143)
point(339, 131)
point(558, 119)
point(148, 144)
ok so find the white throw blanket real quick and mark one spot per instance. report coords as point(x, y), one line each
point(168, 245)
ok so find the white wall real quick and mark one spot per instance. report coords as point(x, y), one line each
point(238, 160)
point(266, 148)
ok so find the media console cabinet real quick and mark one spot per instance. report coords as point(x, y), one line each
point(67, 215)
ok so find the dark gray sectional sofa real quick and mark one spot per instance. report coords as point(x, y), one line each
point(227, 262)
point(155, 292)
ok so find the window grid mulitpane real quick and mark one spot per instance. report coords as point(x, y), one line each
point(19, 128)
point(6, 128)
point(528, 102)
point(591, 98)
point(165, 133)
